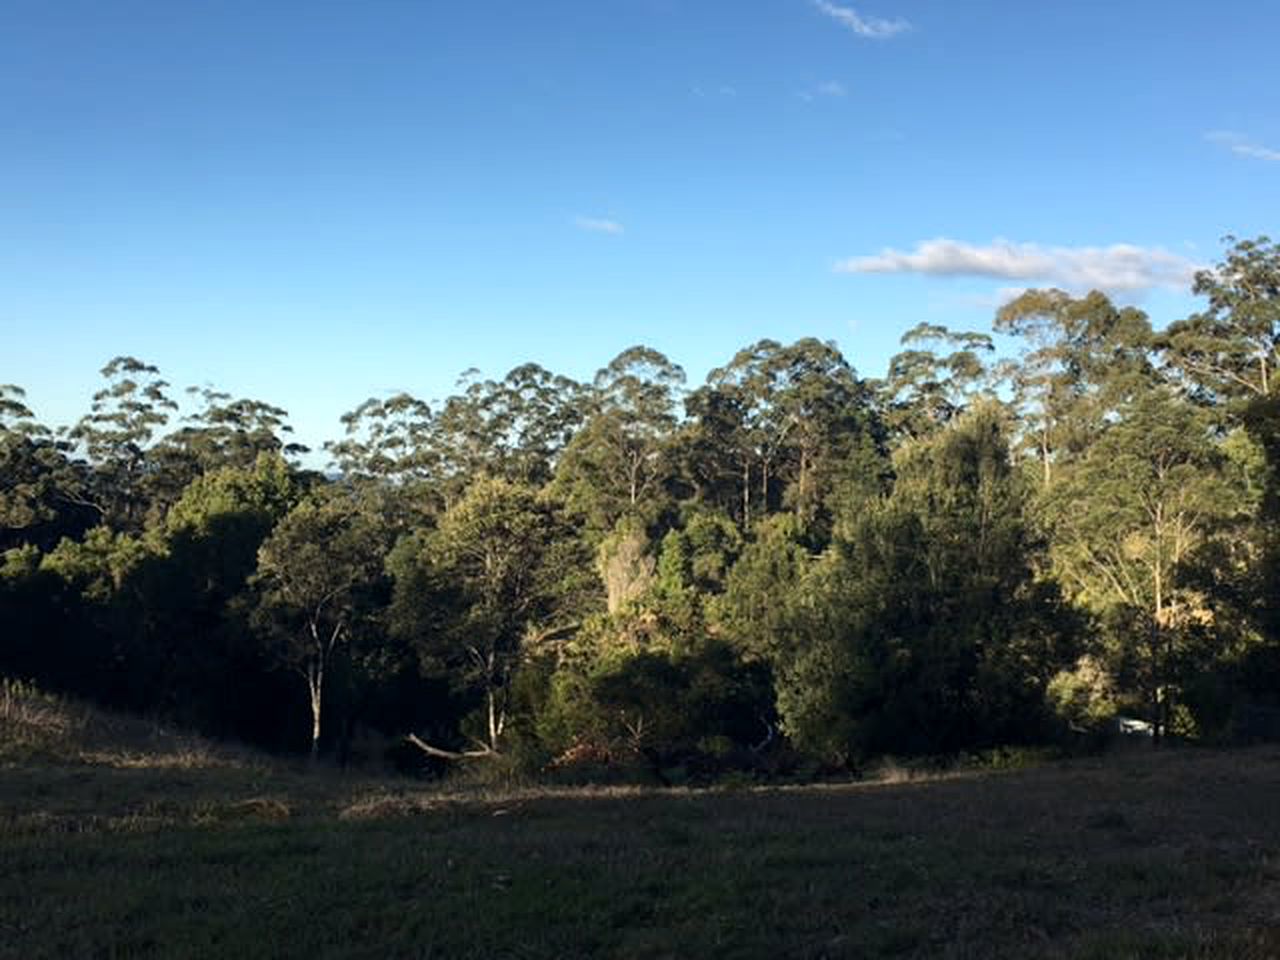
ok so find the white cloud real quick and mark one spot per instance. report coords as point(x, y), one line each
point(1117, 268)
point(828, 88)
point(873, 28)
point(598, 225)
point(706, 93)
point(1241, 145)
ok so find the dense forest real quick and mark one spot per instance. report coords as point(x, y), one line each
point(788, 564)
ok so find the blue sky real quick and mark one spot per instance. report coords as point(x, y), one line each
point(312, 203)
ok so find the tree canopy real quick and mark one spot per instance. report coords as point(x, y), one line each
point(785, 564)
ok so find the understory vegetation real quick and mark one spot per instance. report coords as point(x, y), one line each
point(786, 570)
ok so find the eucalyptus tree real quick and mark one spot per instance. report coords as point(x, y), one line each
point(39, 482)
point(224, 432)
point(747, 382)
point(315, 584)
point(620, 462)
point(513, 428)
point(785, 415)
point(715, 453)
point(925, 389)
point(15, 415)
point(493, 581)
point(21, 497)
point(1227, 355)
point(1082, 357)
point(534, 414)
point(1125, 520)
point(116, 435)
point(387, 439)
point(1231, 350)
point(234, 432)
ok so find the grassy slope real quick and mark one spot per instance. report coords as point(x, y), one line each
point(196, 853)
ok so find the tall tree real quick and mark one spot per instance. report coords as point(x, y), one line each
point(925, 389)
point(1083, 357)
point(232, 432)
point(925, 628)
point(533, 415)
point(315, 575)
point(116, 434)
point(1231, 350)
point(1227, 355)
point(802, 412)
point(42, 489)
point(386, 440)
point(1125, 519)
point(619, 462)
point(483, 587)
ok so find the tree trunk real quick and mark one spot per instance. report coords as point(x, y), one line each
point(493, 720)
point(1158, 666)
point(315, 684)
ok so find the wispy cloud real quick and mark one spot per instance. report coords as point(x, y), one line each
point(1241, 145)
point(873, 28)
point(598, 225)
point(828, 88)
point(707, 93)
point(1118, 268)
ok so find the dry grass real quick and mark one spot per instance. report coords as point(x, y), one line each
point(1174, 855)
point(41, 727)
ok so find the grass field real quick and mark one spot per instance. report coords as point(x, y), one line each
point(155, 848)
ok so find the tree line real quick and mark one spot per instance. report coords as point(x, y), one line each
point(787, 564)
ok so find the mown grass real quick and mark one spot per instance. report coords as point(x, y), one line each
point(1171, 855)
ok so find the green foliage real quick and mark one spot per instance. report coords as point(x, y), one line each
point(696, 709)
point(1126, 521)
point(926, 629)
point(1231, 350)
point(1083, 697)
point(1083, 356)
point(664, 579)
point(494, 581)
point(42, 488)
point(315, 587)
point(387, 439)
point(116, 434)
point(924, 390)
point(616, 464)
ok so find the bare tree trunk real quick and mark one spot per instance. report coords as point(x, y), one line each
point(315, 684)
point(493, 720)
point(1158, 665)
